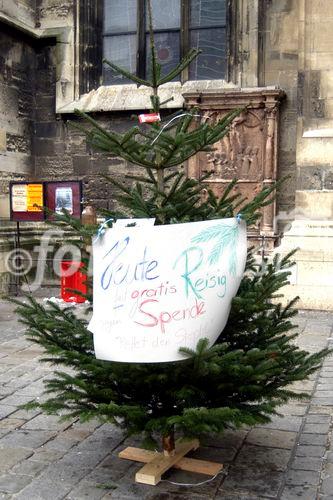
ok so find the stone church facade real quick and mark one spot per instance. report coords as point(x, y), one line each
point(274, 56)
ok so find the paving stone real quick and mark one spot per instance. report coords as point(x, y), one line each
point(69, 475)
point(320, 410)
point(116, 468)
point(45, 488)
point(230, 496)
point(60, 444)
point(11, 483)
point(323, 393)
point(307, 463)
point(26, 439)
point(299, 492)
point(293, 409)
point(304, 385)
point(325, 386)
point(6, 410)
point(45, 455)
point(313, 439)
point(25, 414)
point(105, 439)
point(318, 419)
point(229, 439)
point(11, 423)
point(273, 458)
point(74, 434)
point(4, 392)
point(91, 487)
point(88, 490)
point(34, 389)
point(29, 468)
point(87, 459)
point(47, 422)
point(302, 477)
point(253, 481)
point(325, 401)
point(291, 423)
point(11, 456)
point(221, 455)
point(121, 496)
point(12, 360)
point(317, 428)
point(88, 426)
point(271, 438)
point(310, 451)
point(15, 400)
point(327, 486)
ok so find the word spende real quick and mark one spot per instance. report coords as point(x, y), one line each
point(151, 318)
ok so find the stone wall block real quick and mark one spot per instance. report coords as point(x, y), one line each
point(18, 143)
point(323, 34)
point(81, 165)
point(315, 204)
point(310, 178)
point(60, 167)
point(44, 147)
point(3, 140)
point(48, 129)
point(328, 180)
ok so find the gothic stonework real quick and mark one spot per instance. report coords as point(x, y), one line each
point(248, 152)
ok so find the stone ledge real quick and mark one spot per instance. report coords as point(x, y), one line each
point(131, 97)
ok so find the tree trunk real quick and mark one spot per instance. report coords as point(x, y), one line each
point(168, 443)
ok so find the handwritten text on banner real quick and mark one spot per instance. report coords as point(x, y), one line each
point(160, 288)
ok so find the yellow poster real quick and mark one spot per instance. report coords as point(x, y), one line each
point(34, 197)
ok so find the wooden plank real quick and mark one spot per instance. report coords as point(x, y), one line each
point(187, 464)
point(151, 473)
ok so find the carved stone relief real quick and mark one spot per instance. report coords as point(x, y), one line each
point(248, 152)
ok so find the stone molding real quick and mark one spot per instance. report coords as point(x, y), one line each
point(249, 152)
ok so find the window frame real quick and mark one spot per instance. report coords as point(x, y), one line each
point(184, 31)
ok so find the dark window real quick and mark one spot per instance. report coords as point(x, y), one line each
point(178, 26)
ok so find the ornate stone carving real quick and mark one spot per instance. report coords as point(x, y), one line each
point(248, 152)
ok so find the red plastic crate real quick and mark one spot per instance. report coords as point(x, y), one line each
point(74, 281)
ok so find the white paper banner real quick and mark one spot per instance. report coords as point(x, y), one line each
point(160, 288)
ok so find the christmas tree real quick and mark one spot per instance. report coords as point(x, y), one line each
point(248, 372)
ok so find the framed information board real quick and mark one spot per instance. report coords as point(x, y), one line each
point(26, 201)
point(64, 195)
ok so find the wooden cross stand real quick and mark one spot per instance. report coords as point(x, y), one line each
point(158, 463)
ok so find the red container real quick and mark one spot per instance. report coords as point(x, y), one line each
point(72, 279)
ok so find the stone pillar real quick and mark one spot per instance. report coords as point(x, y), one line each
point(312, 228)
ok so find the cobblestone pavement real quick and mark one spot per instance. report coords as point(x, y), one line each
point(42, 458)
